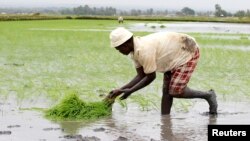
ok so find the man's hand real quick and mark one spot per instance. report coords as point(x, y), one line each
point(126, 93)
point(114, 93)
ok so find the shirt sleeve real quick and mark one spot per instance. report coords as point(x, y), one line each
point(148, 61)
point(136, 64)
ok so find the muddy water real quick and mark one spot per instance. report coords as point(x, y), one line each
point(124, 124)
point(200, 27)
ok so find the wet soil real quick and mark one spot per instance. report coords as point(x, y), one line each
point(130, 124)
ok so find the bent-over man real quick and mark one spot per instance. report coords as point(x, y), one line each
point(174, 54)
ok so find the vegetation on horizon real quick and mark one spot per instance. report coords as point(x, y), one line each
point(128, 18)
point(110, 13)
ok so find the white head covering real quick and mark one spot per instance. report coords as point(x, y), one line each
point(119, 36)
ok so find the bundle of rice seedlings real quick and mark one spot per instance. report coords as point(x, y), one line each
point(73, 108)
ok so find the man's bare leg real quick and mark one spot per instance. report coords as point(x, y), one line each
point(209, 96)
point(167, 100)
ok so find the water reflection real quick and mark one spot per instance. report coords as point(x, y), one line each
point(168, 128)
point(212, 119)
point(71, 127)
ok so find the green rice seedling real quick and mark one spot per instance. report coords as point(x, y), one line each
point(73, 108)
point(162, 26)
point(123, 104)
point(143, 102)
point(205, 41)
point(32, 109)
point(153, 26)
point(63, 55)
point(182, 105)
point(243, 37)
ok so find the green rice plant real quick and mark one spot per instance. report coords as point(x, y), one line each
point(222, 42)
point(32, 109)
point(243, 37)
point(73, 108)
point(182, 105)
point(153, 26)
point(123, 103)
point(162, 26)
point(143, 102)
point(61, 56)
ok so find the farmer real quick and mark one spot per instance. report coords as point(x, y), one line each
point(174, 54)
point(120, 19)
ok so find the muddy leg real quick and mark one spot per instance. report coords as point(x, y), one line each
point(167, 100)
point(209, 96)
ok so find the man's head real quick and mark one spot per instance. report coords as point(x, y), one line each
point(122, 40)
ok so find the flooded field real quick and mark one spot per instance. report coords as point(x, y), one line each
point(201, 27)
point(40, 61)
point(124, 124)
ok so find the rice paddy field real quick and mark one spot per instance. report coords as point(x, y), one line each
point(42, 61)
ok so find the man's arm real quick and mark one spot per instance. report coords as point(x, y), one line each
point(144, 82)
point(140, 75)
point(141, 84)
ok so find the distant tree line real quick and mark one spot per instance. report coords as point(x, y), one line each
point(186, 11)
point(111, 11)
point(219, 12)
point(86, 10)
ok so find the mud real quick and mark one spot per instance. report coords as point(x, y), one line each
point(125, 124)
